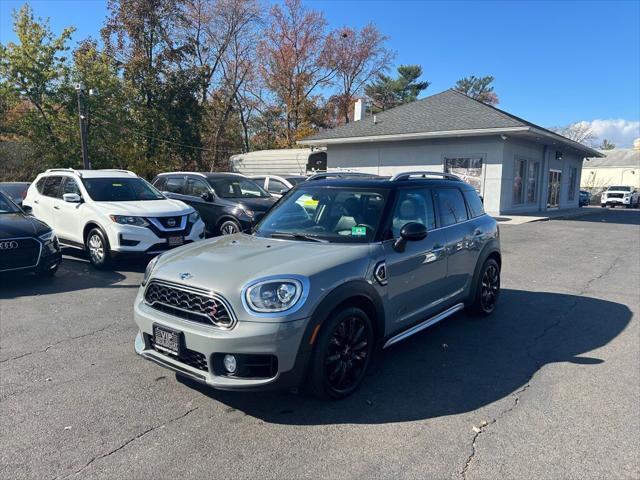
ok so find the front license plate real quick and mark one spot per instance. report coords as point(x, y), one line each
point(166, 339)
point(175, 241)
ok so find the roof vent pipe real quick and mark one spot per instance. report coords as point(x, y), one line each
point(375, 120)
point(357, 110)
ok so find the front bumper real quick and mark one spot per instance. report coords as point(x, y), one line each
point(125, 239)
point(285, 341)
point(616, 201)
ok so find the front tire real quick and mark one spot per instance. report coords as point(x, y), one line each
point(47, 273)
point(98, 249)
point(487, 289)
point(342, 354)
point(229, 227)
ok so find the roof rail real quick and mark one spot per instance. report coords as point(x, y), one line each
point(68, 170)
point(117, 170)
point(423, 174)
point(325, 175)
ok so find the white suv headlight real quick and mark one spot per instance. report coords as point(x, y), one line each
point(129, 220)
point(275, 295)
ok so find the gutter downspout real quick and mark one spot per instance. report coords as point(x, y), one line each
point(545, 175)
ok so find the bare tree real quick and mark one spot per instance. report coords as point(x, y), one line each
point(355, 57)
point(580, 132)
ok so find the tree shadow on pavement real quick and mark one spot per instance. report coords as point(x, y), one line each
point(457, 366)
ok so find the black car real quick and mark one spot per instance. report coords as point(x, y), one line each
point(227, 202)
point(26, 244)
point(16, 191)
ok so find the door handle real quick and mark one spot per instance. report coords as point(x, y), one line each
point(433, 255)
point(36, 201)
point(56, 207)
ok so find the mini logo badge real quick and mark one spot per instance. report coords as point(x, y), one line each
point(171, 222)
point(185, 276)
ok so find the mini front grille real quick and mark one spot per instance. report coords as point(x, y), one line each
point(19, 253)
point(189, 357)
point(186, 303)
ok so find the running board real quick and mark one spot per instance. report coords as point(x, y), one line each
point(421, 326)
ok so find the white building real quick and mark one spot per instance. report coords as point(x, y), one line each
point(515, 165)
point(621, 166)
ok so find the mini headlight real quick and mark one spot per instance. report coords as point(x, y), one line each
point(129, 220)
point(150, 266)
point(248, 213)
point(270, 296)
point(194, 217)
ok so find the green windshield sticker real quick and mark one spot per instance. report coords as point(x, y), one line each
point(116, 184)
point(358, 231)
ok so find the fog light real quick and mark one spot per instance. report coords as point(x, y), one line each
point(230, 363)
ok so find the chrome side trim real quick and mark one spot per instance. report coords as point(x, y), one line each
point(421, 326)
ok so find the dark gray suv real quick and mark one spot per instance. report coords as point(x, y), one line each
point(338, 268)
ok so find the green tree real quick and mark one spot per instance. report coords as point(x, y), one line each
point(386, 92)
point(607, 145)
point(479, 88)
point(36, 92)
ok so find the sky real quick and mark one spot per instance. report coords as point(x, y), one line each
point(554, 62)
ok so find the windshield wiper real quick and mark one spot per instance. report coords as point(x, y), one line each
point(298, 236)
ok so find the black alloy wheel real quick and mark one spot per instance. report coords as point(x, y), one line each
point(487, 290)
point(229, 227)
point(342, 355)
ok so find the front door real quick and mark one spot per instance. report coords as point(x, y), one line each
point(416, 276)
point(553, 197)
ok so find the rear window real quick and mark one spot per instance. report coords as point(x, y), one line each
point(474, 203)
point(451, 206)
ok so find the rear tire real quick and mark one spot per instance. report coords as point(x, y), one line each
point(342, 354)
point(97, 247)
point(487, 289)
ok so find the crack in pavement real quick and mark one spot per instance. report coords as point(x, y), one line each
point(46, 349)
point(516, 395)
point(132, 439)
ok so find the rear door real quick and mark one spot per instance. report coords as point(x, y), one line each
point(43, 208)
point(459, 234)
point(68, 215)
point(416, 276)
point(194, 190)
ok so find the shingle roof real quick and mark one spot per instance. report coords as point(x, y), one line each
point(619, 157)
point(446, 111)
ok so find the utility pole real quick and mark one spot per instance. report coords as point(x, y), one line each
point(83, 126)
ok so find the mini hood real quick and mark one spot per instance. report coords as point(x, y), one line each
point(146, 208)
point(226, 264)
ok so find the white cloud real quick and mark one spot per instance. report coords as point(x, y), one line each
point(620, 132)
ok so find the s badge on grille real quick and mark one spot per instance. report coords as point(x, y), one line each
point(185, 276)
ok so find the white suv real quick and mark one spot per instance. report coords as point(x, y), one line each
point(620, 195)
point(110, 213)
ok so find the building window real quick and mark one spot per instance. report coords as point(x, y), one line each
point(532, 181)
point(468, 168)
point(520, 170)
point(573, 176)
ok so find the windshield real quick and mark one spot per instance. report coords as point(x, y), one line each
point(619, 189)
point(120, 189)
point(237, 187)
point(7, 206)
point(344, 215)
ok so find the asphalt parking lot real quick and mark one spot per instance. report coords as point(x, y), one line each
point(548, 387)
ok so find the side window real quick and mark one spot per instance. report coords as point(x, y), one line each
point(174, 185)
point(70, 186)
point(474, 202)
point(276, 186)
point(40, 185)
point(415, 205)
point(259, 181)
point(196, 187)
point(450, 206)
point(160, 183)
point(52, 187)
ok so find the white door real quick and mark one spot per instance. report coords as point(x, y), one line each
point(44, 203)
point(67, 215)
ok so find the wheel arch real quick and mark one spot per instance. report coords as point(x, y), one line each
point(491, 250)
point(90, 225)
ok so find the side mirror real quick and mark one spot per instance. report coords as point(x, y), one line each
point(27, 209)
point(206, 196)
point(410, 232)
point(72, 198)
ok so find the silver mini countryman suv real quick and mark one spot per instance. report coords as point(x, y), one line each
point(337, 269)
